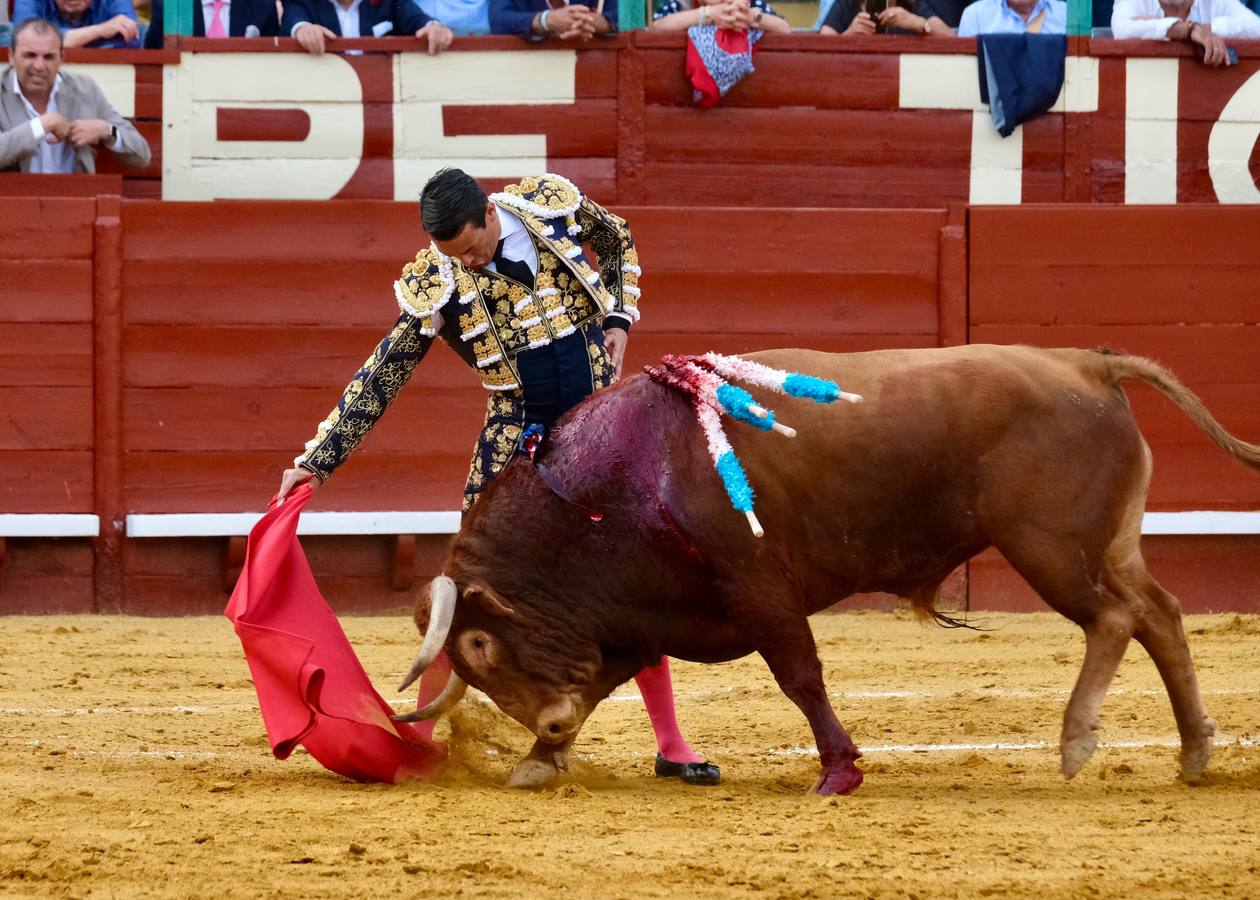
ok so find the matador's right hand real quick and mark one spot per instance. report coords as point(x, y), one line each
point(291, 479)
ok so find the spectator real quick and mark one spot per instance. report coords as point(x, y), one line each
point(463, 17)
point(50, 122)
point(930, 18)
point(535, 20)
point(1205, 22)
point(1014, 17)
point(220, 19)
point(315, 22)
point(735, 14)
point(85, 23)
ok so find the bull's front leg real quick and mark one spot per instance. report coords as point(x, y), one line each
point(794, 661)
point(541, 766)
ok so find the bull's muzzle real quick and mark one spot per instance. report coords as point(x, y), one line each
point(559, 721)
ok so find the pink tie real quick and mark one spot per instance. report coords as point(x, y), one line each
point(216, 29)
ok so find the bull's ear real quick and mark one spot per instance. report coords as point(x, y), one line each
point(488, 598)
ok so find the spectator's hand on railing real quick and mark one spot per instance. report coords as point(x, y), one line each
point(121, 25)
point(900, 17)
point(313, 38)
point(1215, 51)
point(438, 36)
point(88, 132)
point(733, 14)
point(56, 125)
point(862, 24)
point(571, 22)
point(292, 478)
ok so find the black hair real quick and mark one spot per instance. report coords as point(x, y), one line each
point(39, 26)
point(450, 200)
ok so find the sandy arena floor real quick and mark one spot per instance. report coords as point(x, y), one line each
point(133, 763)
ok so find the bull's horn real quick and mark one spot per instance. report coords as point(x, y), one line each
point(442, 596)
point(451, 694)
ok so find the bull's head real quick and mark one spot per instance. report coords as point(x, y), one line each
point(499, 650)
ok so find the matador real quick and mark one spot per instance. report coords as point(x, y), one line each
point(507, 283)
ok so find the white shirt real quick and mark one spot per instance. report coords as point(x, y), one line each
point(347, 20)
point(517, 244)
point(52, 159)
point(225, 15)
point(1146, 19)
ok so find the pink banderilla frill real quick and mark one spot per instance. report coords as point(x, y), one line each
point(704, 379)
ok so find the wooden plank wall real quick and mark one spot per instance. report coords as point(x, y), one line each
point(229, 367)
point(242, 321)
point(46, 379)
point(245, 319)
point(1175, 283)
point(811, 127)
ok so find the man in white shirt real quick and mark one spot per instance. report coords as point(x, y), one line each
point(1204, 22)
point(50, 122)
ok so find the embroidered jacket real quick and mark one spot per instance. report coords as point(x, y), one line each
point(487, 318)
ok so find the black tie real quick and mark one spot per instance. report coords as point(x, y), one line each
point(515, 269)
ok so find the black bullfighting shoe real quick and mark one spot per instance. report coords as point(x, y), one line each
point(701, 773)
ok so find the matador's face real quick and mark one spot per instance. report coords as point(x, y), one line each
point(474, 247)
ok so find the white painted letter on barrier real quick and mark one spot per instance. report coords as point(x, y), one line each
point(423, 84)
point(1150, 130)
point(1230, 144)
point(197, 165)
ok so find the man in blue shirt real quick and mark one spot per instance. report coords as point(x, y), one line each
point(464, 17)
point(1014, 17)
point(85, 23)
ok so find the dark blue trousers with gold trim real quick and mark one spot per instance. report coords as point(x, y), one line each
point(553, 379)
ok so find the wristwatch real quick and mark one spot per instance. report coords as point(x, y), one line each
point(927, 25)
point(112, 137)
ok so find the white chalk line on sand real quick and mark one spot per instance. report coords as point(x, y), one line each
point(624, 697)
point(596, 756)
point(1222, 741)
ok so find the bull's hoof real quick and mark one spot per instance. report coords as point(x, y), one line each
point(838, 780)
point(1074, 754)
point(1195, 756)
point(698, 773)
point(533, 773)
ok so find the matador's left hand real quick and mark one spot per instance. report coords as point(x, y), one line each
point(615, 340)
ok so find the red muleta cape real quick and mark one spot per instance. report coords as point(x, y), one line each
point(312, 690)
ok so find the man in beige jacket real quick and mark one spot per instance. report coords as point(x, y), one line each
point(53, 122)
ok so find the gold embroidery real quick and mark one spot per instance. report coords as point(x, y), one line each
point(353, 390)
point(545, 192)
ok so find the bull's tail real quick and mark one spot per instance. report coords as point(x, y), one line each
point(1117, 368)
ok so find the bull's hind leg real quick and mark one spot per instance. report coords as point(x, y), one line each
point(1072, 584)
point(1160, 631)
point(793, 659)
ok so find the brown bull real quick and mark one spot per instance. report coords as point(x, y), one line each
point(1034, 452)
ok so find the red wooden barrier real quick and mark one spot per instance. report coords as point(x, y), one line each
point(1174, 283)
point(241, 321)
point(46, 440)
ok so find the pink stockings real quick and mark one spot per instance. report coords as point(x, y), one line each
point(658, 696)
